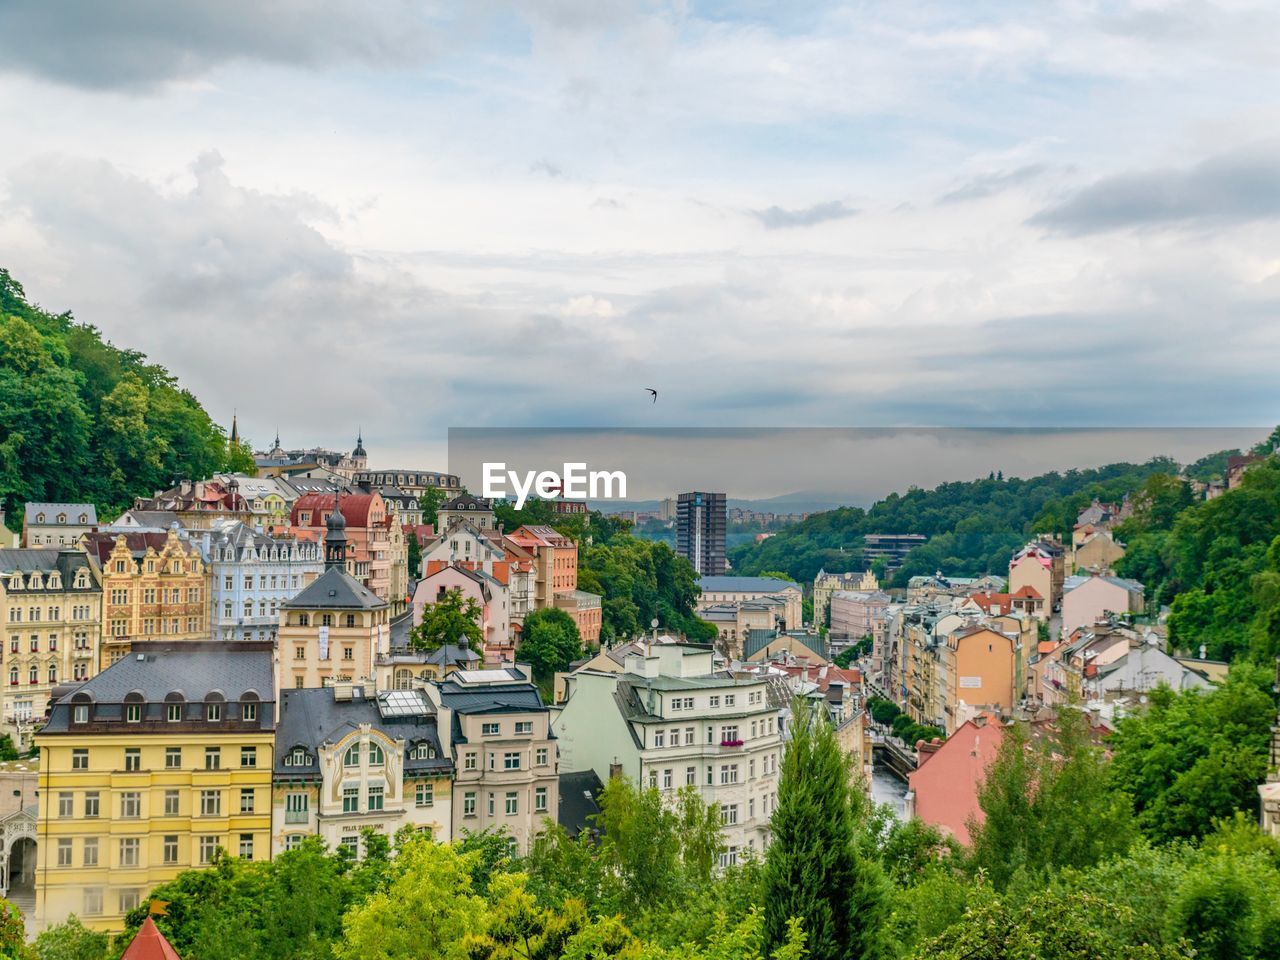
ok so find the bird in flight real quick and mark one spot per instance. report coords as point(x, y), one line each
point(654, 393)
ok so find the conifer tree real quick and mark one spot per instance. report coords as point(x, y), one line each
point(815, 869)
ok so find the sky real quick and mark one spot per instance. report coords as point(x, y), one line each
point(331, 216)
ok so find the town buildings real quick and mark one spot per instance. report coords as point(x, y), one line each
point(825, 584)
point(943, 789)
point(857, 613)
point(717, 590)
point(51, 609)
point(670, 719)
point(348, 759)
point(154, 586)
point(251, 576)
point(57, 524)
point(892, 548)
point(464, 507)
point(333, 630)
point(197, 504)
point(700, 531)
point(1092, 597)
point(412, 481)
point(506, 767)
point(1041, 565)
point(149, 769)
point(487, 592)
point(368, 531)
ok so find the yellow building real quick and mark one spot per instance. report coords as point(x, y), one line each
point(334, 630)
point(149, 769)
point(51, 607)
point(155, 586)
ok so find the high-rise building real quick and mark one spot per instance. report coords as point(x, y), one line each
point(700, 527)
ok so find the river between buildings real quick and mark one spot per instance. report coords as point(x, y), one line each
point(888, 787)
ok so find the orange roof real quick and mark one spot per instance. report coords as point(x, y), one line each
point(149, 944)
point(355, 507)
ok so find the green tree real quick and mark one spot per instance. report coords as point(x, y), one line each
point(1035, 798)
point(452, 618)
point(815, 868)
point(70, 940)
point(428, 910)
point(1194, 757)
point(549, 642)
point(429, 503)
point(13, 936)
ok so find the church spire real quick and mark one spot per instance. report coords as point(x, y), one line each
point(235, 430)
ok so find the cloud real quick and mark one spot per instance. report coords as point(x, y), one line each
point(546, 167)
point(1229, 189)
point(140, 45)
point(989, 184)
point(780, 218)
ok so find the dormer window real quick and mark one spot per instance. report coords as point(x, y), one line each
point(62, 518)
point(39, 518)
point(84, 518)
point(297, 757)
point(424, 751)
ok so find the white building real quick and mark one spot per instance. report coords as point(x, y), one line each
point(252, 577)
point(670, 719)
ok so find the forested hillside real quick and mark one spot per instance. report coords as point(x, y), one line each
point(84, 420)
point(972, 526)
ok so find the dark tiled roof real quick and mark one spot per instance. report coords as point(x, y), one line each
point(45, 559)
point(579, 793)
point(51, 511)
point(193, 668)
point(745, 585)
point(335, 589)
point(309, 718)
point(514, 697)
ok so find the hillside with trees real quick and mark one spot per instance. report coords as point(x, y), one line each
point(84, 420)
point(973, 526)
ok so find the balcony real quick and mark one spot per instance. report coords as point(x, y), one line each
point(731, 743)
point(297, 816)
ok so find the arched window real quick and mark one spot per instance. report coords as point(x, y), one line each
point(352, 757)
point(403, 679)
point(376, 758)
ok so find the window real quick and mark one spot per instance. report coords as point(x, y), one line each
point(92, 901)
point(653, 779)
point(208, 847)
point(129, 900)
point(728, 773)
point(511, 761)
point(524, 726)
point(728, 814)
point(376, 758)
point(90, 851)
point(64, 853)
point(540, 799)
point(350, 799)
point(246, 846)
point(171, 800)
point(352, 757)
point(129, 851)
point(688, 736)
point(469, 803)
point(212, 711)
point(490, 729)
point(540, 756)
point(729, 858)
point(469, 760)
point(130, 805)
point(299, 653)
point(173, 712)
point(91, 804)
point(351, 845)
point(210, 803)
point(715, 702)
point(249, 712)
point(666, 779)
point(490, 805)
point(293, 841)
point(513, 804)
point(690, 775)
point(730, 699)
point(348, 653)
point(248, 756)
point(423, 751)
point(295, 808)
point(213, 758)
point(246, 799)
point(375, 796)
point(426, 795)
point(172, 758)
point(659, 738)
point(298, 757)
point(66, 804)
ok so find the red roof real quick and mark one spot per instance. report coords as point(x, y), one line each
point(355, 507)
point(149, 944)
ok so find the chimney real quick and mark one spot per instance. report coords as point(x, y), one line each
point(615, 770)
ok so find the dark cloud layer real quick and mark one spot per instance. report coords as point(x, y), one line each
point(1233, 188)
point(142, 44)
point(779, 218)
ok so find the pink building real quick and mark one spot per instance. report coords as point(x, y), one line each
point(943, 789)
point(488, 592)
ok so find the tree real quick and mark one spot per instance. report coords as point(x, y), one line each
point(549, 642)
point(429, 503)
point(415, 555)
point(1195, 756)
point(70, 940)
point(815, 870)
point(452, 618)
point(427, 911)
point(1035, 797)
